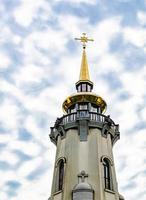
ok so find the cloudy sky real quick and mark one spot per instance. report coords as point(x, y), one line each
point(39, 64)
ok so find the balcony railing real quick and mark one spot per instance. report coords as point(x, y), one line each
point(95, 119)
point(84, 114)
point(69, 118)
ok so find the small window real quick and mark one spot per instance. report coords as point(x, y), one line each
point(94, 108)
point(72, 110)
point(107, 174)
point(88, 88)
point(83, 106)
point(84, 87)
point(79, 88)
point(59, 175)
point(99, 110)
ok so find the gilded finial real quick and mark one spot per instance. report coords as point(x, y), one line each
point(84, 40)
point(84, 72)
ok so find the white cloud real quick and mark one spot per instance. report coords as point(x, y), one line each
point(3, 195)
point(79, 1)
point(11, 158)
point(135, 36)
point(10, 115)
point(28, 167)
point(134, 82)
point(5, 138)
point(49, 40)
point(143, 114)
point(27, 11)
point(73, 26)
point(104, 32)
point(141, 17)
point(4, 61)
point(30, 148)
point(109, 62)
point(7, 35)
point(6, 176)
point(29, 191)
point(29, 73)
point(134, 166)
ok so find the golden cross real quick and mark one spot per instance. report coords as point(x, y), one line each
point(84, 40)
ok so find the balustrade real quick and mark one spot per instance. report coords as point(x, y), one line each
point(92, 116)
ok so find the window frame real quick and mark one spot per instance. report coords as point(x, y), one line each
point(107, 173)
point(59, 174)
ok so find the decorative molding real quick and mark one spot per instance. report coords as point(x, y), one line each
point(108, 158)
point(59, 159)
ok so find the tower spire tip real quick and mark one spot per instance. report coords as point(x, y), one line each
point(84, 72)
point(84, 39)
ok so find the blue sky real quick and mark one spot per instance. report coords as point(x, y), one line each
point(39, 64)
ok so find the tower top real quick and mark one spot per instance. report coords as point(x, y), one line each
point(84, 40)
point(84, 72)
point(84, 86)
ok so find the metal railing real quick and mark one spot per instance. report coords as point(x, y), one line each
point(69, 118)
point(92, 116)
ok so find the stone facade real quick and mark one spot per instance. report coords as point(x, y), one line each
point(85, 155)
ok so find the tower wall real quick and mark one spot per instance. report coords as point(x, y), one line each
point(87, 156)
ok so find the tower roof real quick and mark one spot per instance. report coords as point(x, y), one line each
point(84, 86)
point(84, 72)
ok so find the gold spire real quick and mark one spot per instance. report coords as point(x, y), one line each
point(84, 72)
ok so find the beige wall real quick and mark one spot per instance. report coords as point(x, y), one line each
point(85, 156)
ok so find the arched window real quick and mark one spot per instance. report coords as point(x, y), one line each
point(61, 175)
point(107, 174)
point(60, 167)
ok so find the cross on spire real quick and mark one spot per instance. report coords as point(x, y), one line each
point(84, 40)
point(83, 175)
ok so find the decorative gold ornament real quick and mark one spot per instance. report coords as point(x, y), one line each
point(84, 40)
point(85, 97)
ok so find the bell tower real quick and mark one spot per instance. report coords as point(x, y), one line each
point(84, 165)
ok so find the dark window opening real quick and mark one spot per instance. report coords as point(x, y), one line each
point(84, 87)
point(61, 133)
point(61, 175)
point(107, 174)
point(105, 132)
point(72, 109)
point(95, 108)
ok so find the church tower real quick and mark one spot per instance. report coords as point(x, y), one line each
point(84, 165)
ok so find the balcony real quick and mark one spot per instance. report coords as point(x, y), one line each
point(84, 114)
point(94, 120)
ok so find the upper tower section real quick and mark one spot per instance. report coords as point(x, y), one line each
point(84, 86)
point(84, 109)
